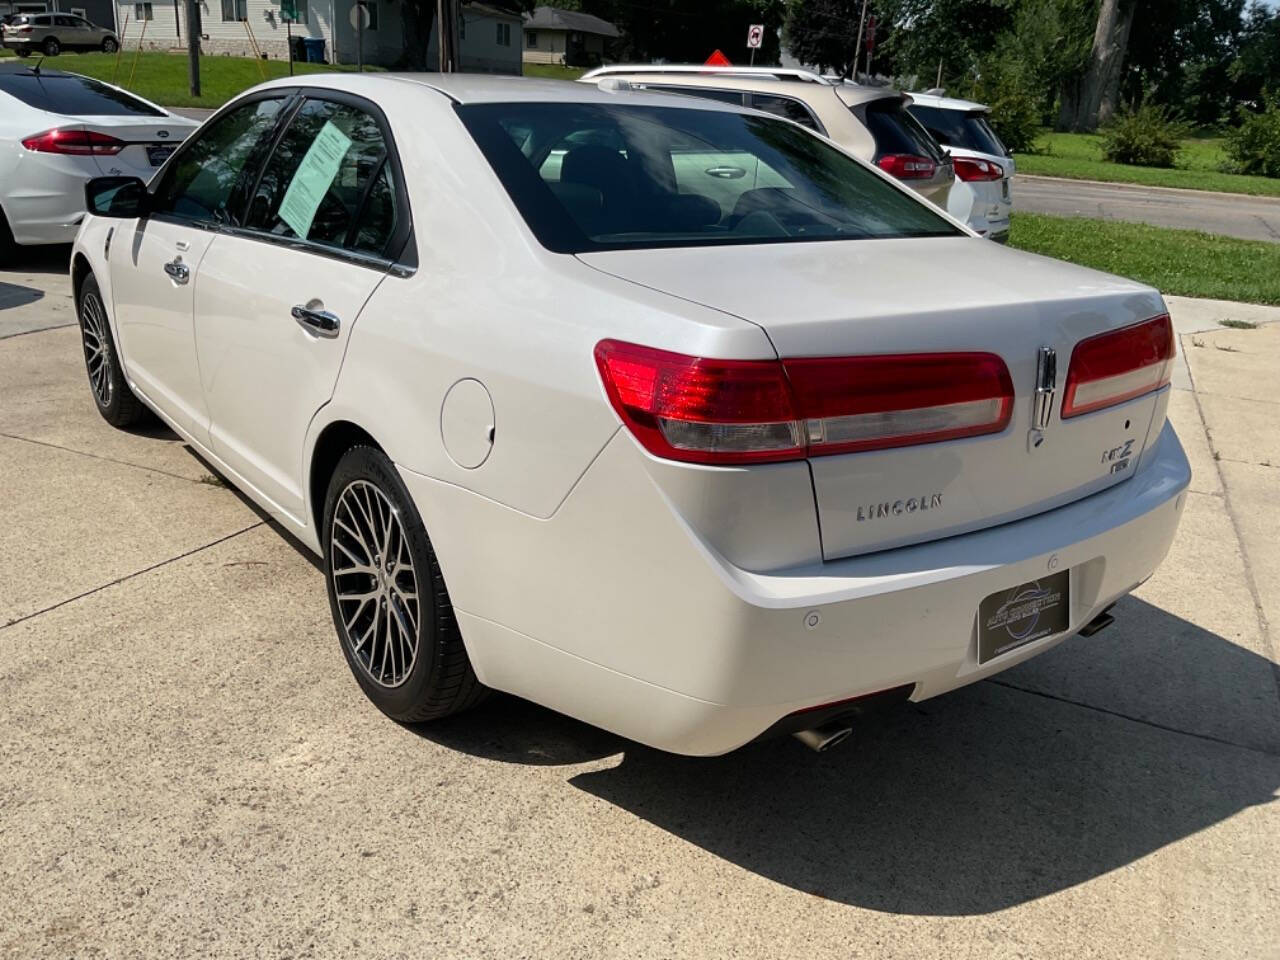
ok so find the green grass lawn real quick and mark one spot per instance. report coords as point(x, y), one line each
point(1079, 156)
point(552, 71)
point(1181, 262)
point(162, 77)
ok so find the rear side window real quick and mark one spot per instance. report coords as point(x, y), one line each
point(959, 128)
point(896, 131)
point(74, 96)
point(705, 93)
point(328, 181)
point(786, 107)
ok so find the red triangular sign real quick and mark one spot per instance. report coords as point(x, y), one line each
point(718, 59)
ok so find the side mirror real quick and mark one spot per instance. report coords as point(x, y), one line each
point(124, 197)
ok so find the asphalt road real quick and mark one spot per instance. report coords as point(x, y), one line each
point(189, 769)
point(1235, 215)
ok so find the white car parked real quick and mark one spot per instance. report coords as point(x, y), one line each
point(685, 464)
point(57, 131)
point(982, 194)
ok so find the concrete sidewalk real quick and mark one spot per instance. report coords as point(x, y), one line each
point(190, 770)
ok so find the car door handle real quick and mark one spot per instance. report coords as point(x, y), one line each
point(317, 321)
point(178, 270)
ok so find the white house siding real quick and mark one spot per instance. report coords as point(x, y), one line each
point(166, 30)
point(549, 47)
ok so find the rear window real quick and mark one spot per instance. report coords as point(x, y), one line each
point(960, 128)
point(606, 177)
point(74, 96)
point(896, 131)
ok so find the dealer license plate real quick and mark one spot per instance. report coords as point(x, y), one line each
point(1009, 619)
point(159, 154)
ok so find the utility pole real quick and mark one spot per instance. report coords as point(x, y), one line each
point(193, 47)
point(857, 47)
point(447, 31)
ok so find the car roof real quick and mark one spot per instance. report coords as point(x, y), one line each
point(488, 88)
point(948, 103)
point(800, 84)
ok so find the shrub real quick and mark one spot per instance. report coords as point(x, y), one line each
point(1254, 146)
point(1146, 137)
point(1015, 117)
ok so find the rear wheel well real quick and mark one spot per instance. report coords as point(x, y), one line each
point(334, 441)
point(79, 270)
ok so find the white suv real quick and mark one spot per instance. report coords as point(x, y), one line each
point(981, 195)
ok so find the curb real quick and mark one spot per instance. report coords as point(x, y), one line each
point(1180, 191)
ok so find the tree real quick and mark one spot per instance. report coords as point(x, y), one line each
point(824, 33)
point(1091, 98)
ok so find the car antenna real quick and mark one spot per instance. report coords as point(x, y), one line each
point(36, 69)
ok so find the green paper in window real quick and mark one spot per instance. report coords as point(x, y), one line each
point(313, 179)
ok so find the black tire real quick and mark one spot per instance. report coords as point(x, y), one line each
point(439, 679)
point(22, 51)
point(7, 247)
point(115, 401)
point(51, 47)
point(109, 45)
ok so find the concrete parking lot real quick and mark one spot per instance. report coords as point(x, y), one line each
point(190, 770)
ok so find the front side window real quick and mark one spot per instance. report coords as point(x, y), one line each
point(328, 181)
point(630, 176)
point(733, 97)
point(210, 179)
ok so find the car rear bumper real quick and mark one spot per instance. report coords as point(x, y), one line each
point(615, 612)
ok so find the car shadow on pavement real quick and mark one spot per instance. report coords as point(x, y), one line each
point(18, 295)
point(966, 804)
point(49, 259)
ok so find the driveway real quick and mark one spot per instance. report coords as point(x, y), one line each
point(190, 769)
point(1235, 215)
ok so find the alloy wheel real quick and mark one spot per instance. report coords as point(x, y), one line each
point(375, 583)
point(97, 347)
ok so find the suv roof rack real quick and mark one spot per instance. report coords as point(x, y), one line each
point(778, 73)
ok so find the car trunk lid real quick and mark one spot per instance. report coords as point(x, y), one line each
point(883, 297)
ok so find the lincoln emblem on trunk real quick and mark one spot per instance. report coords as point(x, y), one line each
point(1046, 381)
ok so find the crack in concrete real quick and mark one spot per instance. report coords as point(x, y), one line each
point(96, 456)
point(1127, 716)
point(130, 576)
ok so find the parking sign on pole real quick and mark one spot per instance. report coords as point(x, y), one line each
point(755, 37)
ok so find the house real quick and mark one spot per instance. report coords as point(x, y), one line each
point(98, 12)
point(489, 35)
point(552, 35)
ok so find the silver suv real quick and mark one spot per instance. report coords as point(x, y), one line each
point(51, 33)
point(869, 122)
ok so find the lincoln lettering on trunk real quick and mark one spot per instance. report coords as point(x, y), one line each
point(895, 508)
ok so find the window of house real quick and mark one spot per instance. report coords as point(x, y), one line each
point(142, 11)
point(235, 9)
point(531, 39)
point(504, 34)
point(462, 28)
point(371, 8)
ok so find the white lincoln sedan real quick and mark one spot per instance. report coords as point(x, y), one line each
point(662, 413)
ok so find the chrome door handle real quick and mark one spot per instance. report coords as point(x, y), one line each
point(178, 270)
point(321, 322)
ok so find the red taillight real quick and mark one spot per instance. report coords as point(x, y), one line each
point(971, 169)
point(1118, 366)
point(80, 143)
point(752, 411)
point(907, 166)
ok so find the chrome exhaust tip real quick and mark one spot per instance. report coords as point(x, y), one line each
point(821, 739)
